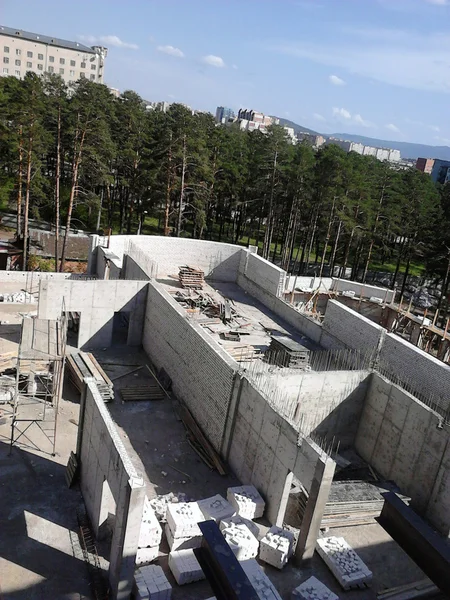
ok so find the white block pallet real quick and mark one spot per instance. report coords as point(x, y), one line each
point(146, 555)
point(247, 501)
point(277, 546)
point(261, 583)
point(216, 508)
point(181, 543)
point(313, 589)
point(152, 579)
point(238, 520)
point(241, 541)
point(343, 562)
point(185, 567)
point(183, 519)
point(151, 532)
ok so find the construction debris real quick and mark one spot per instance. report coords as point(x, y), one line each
point(191, 277)
point(247, 501)
point(277, 546)
point(151, 584)
point(286, 352)
point(311, 589)
point(241, 540)
point(160, 504)
point(84, 364)
point(20, 297)
point(185, 567)
point(344, 563)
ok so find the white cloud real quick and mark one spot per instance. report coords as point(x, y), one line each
point(335, 80)
point(214, 61)
point(171, 50)
point(319, 117)
point(438, 2)
point(107, 40)
point(404, 58)
point(342, 113)
point(393, 128)
point(360, 121)
point(435, 128)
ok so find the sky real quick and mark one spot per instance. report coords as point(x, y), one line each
point(379, 68)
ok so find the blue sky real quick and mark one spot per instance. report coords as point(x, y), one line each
point(379, 68)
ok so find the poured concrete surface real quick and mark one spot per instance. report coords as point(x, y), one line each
point(37, 561)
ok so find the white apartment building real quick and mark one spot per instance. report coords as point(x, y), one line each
point(22, 51)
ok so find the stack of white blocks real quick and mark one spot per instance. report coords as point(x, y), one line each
point(247, 501)
point(343, 562)
point(149, 536)
point(185, 567)
point(261, 583)
point(152, 584)
point(313, 589)
point(182, 530)
point(241, 541)
point(216, 508)
point(277, 546)
point(238, 520)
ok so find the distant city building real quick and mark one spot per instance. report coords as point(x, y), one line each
point(114, 91)
point(382, 154)
point(440, 171)
point(316, 140)
point(159, 106)
point(22, 52)
point(224, 114)
point(425, 165)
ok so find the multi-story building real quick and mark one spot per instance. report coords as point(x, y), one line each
point(425, 165)
point(316, 140)
point(380, 153)
point(440, 171)
point(22, 51)
point(224, 114)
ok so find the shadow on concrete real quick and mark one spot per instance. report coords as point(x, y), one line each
point(38, 513)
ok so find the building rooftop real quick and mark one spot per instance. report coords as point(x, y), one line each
point(44, 39)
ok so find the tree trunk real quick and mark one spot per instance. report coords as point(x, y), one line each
point(311, 241)
point(27, 198)
point(19, 185)
point(327, 238)
point(336, 242)
point(57, 181)
point(183, 175)
point(397, 266)
point(375, 225)
point(346, 255)
point(269, 225)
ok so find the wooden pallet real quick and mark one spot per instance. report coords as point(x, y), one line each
point(150, 391)
point(191, 277)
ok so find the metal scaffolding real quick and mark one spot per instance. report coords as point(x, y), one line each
point(39, 381)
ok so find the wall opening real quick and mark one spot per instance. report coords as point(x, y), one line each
point(73, 328)
point(121, 325)
point(107, 519)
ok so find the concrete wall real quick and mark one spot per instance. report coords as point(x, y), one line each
point(362, 290)
point(97, 301)
point(202, 373)
point(109, 264)
point(263, 273)
point(265, 448)
point(307, 283)
point(103, 458)
point(33, 277)
point(403, 440)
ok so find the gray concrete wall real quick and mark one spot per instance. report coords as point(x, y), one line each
point(202, 373)
point(263, 273)
point(403, 440)
point(103, 458)
point(265, 448)
point(362, 289)
point(97, 301)
point(33, 277)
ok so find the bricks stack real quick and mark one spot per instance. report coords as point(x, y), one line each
point(216, 508)
point(151, 584)
point(241, 541)
point(182, 530)
point(344, 563)
point(185, 567)
point(149, 537)
point(247, 501)
point(259, 580)
point(238, 520)
point(277, 546)
point(313, 589)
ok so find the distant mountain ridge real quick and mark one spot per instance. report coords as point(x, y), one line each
point(297, 128)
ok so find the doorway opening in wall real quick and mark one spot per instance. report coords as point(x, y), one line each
point(73, 328)
point(121, 324)
point(296, 504)
point(107, 519)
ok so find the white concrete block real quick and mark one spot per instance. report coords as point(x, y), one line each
point(185, 567)
point(140, 589)
point(238, 520)
point(261, 583)
point(216, 508)
point(313, 589)
point(343, 562)
point(247, 501)
point(156, 582)
point(241, 541)
point(181, 543)
point(277, 546)
point(146, 555)
point(151, 532)
point(183, 519)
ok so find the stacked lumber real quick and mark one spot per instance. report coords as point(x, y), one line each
point(84, 364)
point(148, 391)
point(410, 591)
point(190, 277)
point(8, 360)
point(352, 502)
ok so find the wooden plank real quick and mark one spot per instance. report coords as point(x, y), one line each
point(127, 373)
point(101, 371)
point(90, 365)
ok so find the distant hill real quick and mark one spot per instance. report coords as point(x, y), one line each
point(407, 149)
point(297, 128)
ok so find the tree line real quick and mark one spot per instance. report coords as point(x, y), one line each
point(83, 155)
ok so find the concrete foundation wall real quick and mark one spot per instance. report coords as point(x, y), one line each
point(353, 330)
point(33, 277)
point(202, 373)
point(109, 264)
point(103, 458)
point(362, 290)
point(307, 283)
point(96, 301)
point(263, 273)
point(404, 441)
